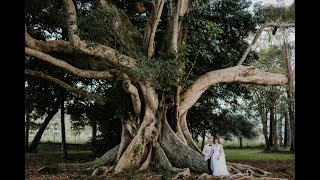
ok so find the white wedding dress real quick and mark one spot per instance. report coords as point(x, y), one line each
point(219, 167)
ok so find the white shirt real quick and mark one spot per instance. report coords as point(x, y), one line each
point(206, 151)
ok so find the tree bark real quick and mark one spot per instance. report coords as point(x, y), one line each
point(27, 131)
point(150, 31)
point(176, 11)
point(179, 153)
point(240, 140)
point(177, 118)
point(126, 136)
point(186, 133)
point(63, 130)
point(33, 147)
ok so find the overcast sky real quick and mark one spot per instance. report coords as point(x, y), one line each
point(274, 2)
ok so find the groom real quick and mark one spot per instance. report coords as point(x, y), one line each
point(206, 151)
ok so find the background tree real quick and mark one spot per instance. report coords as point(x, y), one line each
point(243, 128)
point(41, 99)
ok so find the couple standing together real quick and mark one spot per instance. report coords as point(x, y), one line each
point(214, 154)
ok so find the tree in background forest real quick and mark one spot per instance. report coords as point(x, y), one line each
point(276, 54)
point(166, 54)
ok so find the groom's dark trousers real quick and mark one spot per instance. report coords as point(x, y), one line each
point(209, 166)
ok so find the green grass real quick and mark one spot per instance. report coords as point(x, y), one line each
point(256, 154)
point(236, 143)
point(68, 152)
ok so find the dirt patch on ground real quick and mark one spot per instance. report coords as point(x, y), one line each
point(73, 168)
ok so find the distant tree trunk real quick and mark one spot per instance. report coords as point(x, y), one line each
point(240, 139)
point(289, 130)
point(280, 126)
point(274, 127)
point(292, 126)
point(263, 115)
point(292, 123)
point(270, 127)
point(63, 131)
point(203, 138)
point(286, 56)
point(94, 137)
point(286, 127)
point(33, 147)
point(27, 131)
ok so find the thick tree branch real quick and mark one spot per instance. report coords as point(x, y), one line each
point(98, 99)
point(103, 52)
point(150, 95)
point(72, 23)
point(47, 46)
point(244, 74)
point(105, 75)
point(259, 34)
point(114, 57)
point(131, 89)
point(176, 10)
point(151, 28)
point(186, 133)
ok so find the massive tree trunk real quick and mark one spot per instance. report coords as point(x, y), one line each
point(152, 138)
point(33, 147)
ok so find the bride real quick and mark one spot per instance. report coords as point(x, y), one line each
point(218, 161)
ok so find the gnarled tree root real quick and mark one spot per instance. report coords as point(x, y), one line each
point(107, 159)
point(236, 168)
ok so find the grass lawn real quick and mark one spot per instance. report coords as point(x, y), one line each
point(256, 154)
